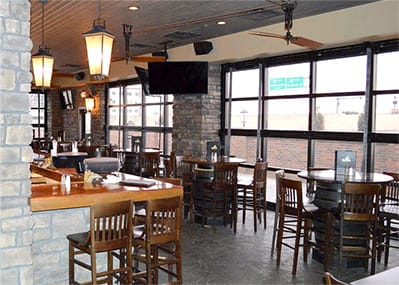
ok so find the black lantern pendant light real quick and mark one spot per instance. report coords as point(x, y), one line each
point(99, 48)
point(43, 61)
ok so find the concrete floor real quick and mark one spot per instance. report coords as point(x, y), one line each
point(218, 256)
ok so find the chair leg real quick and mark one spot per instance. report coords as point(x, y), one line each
point(244, 205)
point(387, 242)
point(297, 241)
point(71, 264)
point(280, 238)
point(276, 219)
point(93, 268)
point(255, 209)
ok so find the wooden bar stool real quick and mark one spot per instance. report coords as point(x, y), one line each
point(157, 243)
point(111, 227)
point(295, 222)
point(252, 196)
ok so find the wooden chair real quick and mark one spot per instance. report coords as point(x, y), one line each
point(252, 196)
point(358, 217)
point(217, 196)
point(149, 164)
point(279, 174)
point(185, 171)
point(157, 243)
point(389, 216)
point(170, 165)
point(329, 279)
point(295, 221)
point(110, 230)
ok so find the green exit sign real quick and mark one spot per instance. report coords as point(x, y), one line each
point(285, 83)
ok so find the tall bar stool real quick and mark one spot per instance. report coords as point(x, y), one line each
point(111, 228)
point(357, 227)
point(185, 170)
point(278, 175)
point(218, 195)
point(157, 243)
point(252, 196)
point(389, 216)
point(295, 220)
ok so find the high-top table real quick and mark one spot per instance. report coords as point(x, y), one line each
point(328, 193)
point(203, 173)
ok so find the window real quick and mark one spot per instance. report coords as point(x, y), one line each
point(38, 106)
point(313, 104)
point(131, 113)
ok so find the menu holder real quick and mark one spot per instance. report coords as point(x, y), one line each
point(344, 159)
point(137, 182)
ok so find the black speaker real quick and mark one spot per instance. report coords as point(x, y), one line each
point(80, 75)
point(202, 47)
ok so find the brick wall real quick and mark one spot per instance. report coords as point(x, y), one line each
point(196, 118)
point(15, 135)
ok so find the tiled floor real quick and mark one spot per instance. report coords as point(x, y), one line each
point(218, 256)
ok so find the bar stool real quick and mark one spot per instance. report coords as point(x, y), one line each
point(357, 230)
point(295, 220)
point(389, 216)
point(157, 243)
point(278, 175)
point(111, 227)
point(252, 196)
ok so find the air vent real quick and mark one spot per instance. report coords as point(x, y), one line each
point(180, 35)
point(263, 15)
point(141, 45)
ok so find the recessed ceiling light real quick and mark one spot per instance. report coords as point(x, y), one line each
point(221, 22)
point(133, 8)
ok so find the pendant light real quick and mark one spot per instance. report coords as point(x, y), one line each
point(99, 48)
point(43, 61)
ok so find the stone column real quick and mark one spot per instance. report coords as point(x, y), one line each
point(196, 118)
point(15, 137)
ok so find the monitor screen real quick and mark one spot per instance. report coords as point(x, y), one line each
point(179, 77)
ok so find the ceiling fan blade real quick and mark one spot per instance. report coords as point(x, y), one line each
point(149, 58)
point(271, 35)
point(301, 41)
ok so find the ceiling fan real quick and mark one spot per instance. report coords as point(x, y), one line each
point(288, 7)
point(127, 33)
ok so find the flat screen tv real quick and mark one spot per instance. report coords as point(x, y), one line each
point(178, 77)
point(142, 74)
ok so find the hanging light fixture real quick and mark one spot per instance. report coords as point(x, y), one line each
point(99, 48)
point(43, 61)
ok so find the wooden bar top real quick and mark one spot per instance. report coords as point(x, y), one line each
point(54, 197)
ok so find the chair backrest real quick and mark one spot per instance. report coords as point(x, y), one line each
point(360, 201)
point(149, 164)
point(185, 171)
point(111, 225)
point(291, 196)
point(163, 220)
point(225, 177)
point(390, 193)
point(170, 165)
point(278, 174)
point(260, 175)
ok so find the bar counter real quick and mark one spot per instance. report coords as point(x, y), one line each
point(55, 214)
point(53, 196)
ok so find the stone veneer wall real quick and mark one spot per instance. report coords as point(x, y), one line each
point(196, 118)
point(16, 235)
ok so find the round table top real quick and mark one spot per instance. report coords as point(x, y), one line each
point(203, 160)
point(330, 176)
